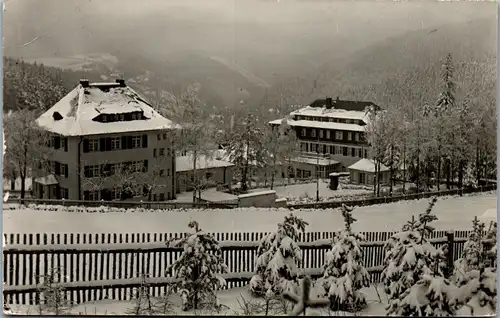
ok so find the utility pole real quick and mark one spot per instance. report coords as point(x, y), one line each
point(317, 169)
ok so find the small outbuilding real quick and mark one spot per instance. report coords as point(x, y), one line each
point(363, 172)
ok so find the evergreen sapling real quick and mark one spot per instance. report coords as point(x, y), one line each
point(278, 259)
point(344, 274)
point(198, 270)
point(413, 268)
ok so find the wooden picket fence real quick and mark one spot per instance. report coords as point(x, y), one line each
point(109, 266)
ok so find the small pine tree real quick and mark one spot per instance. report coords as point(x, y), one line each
point(278, 258)
point(476, 271)
point(410, 256)
point(432, 295)
point(199, 268)
point(344, 274)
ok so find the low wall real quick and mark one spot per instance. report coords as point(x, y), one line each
point(281, 203)
point(261, 199)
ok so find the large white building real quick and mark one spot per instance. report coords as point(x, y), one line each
point(334, 131)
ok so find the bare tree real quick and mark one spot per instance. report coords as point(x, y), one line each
point(27, 144)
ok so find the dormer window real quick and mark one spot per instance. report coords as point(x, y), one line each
point(139, 115)
point(104, 118)
point(57, 116)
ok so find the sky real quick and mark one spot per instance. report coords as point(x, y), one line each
point(156, 25)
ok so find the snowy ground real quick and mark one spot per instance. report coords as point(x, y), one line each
point(453, 213)
point(230, 298)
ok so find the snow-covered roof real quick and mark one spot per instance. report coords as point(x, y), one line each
point(367, 165)
point(314, 161)
point(185, 163)
point(47, 180)
point(321, 125)
point(330, 113)
point(80, 106)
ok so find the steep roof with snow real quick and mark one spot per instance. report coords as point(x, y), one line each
point(185, 163)
point(366, 165)
point(344, 104)
point(77, 113)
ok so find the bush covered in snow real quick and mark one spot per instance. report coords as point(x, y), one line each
point(198, 270)
point(409, 258)
point(278, 258)
point(344, 274)
point(476, 271)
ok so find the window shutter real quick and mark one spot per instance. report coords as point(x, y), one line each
point(57, 142)
point(108, 144)
point(65, 144)
point(66, 171)
point(102, 144)
point(86, 172)
point(129, 142)
point(124, 142)
point(145, 166)
point(85, 145)
point(57, 168)
point(144, 141)
point(154, 152)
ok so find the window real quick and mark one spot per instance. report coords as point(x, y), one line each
point(303, 146)
point(339, 135)
point(360, 153)
point(338, 150)
point(116, 194)
point(158, 136)
point(136, 142)
point(115, 143)
point(356, 136)
point(328, 134)
point(154, 152)
point(208, 175)
point(168, 172)
point(63, 170)
point(316, 146)
point(344, 151)
point(64, 143)
point(362, 178)
point(303, 132)
point(162, 196)
point(164, 136)
point(347, 121)
point(332, 150)
point(313, 134)
point(162, 172)
point(353, 152)
point(93, 145)
point(349, 135)
point(321, 133)
point(92, 171)
point(162, 152)
point(154, 195)
point(366, 153)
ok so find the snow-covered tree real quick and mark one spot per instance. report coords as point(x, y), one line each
point(198, 270)
point(245, 145)
point(476, 271)
point(344, 274)
point(278, 259)
point(376, 132)
point(409, 256)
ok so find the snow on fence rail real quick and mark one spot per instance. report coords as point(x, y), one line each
point(126, 204)
point(389, 199)
point(93, 269)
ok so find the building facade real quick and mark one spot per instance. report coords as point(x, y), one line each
point(106, 143)
point(333, 130)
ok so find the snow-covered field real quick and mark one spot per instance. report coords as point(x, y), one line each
point(453, 213)
point(230, 298)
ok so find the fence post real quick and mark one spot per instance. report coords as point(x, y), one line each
point(450, 235)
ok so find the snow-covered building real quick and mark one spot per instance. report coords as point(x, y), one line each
point(214, 171)
point(332, 128)
point(363, 172)
point(98, 131)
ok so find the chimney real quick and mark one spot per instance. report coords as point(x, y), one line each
point(329, 103)
point(85, 83)
point(121, 82)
